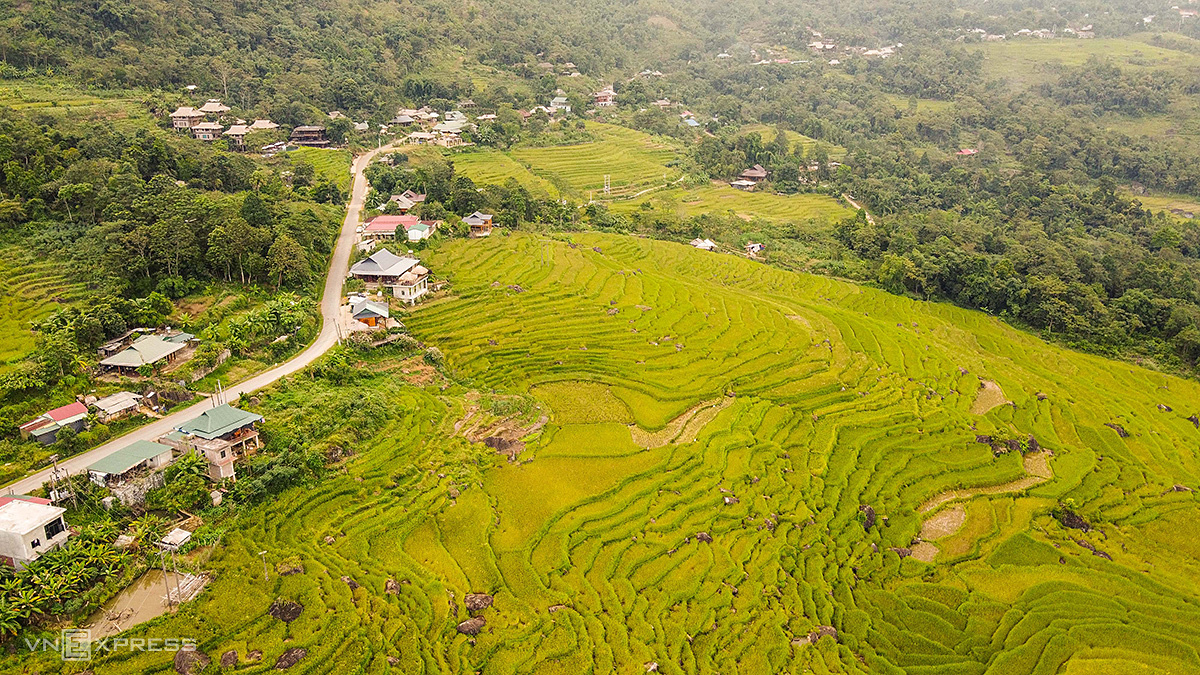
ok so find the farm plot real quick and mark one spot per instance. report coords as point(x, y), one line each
point(1028, 62)
point(748, 205)
point(329, 163)
point(485, 167)
point(633, 160)
point(770, 530)
point(32, 290)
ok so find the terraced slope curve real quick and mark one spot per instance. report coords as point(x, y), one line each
point(773, 538)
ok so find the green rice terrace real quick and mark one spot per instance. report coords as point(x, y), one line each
point(653, 458)
point(32, 290)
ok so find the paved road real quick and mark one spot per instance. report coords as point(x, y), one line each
point(331, 302)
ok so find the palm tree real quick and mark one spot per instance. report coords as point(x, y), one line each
point(10, 619)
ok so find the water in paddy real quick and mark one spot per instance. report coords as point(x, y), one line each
point(143, 600)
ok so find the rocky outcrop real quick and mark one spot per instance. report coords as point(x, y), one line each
point(1117, 428)
point(704, 537)
point(868, 516)
point(229, 659)
point(390, 586)
point(820, 632)
point(191, 661)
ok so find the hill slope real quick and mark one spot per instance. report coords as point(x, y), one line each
point(820, 399)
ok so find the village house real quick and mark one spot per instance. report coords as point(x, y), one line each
point(237, 135)
point(45, 427)
point(399, 203)
point(604, 98)
point(559, 104)
point(310, 136)
point(263, 125)
point(116, 406)
point(29, 527)
point(423, 230)
point(420, 138)
point(186, 117)
point(207, 131)
point(120, 466)
point(754, 248)
point(744, 185)
point(385, 227)
point(148, 350)
point(755, 174)
point(480, 224)
point(336, 115)
point(704, 244)
point(384, 269)
point(368, 312)
point(214, 106)
point(222, 434)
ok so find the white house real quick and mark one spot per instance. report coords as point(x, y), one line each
point(28, 528)
point(704, 244)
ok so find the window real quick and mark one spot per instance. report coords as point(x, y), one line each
point(52, 529)
point(222, 454)
point(35, 543)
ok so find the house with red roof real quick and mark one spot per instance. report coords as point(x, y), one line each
point(45, 427)
point(385, 227)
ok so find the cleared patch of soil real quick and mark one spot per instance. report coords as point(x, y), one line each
point(682, 429)
point(990, 396)
point(1036, 464)
point(944, 523)
point(925, 552)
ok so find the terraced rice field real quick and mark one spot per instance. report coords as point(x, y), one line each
point(31, 290)
point(633, 160)
point(724, 199)
point(492, 167)
point(798, 139)
point(724, 544)
point(328, 162)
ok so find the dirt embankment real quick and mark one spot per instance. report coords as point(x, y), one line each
point(990, 396)
point(682, 429)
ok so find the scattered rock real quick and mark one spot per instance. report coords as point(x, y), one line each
point(731, 500)
point(1034, 446)
point(597, 249)
point(1095, 551)
point(350, 582)
point(1180, 488)
point(902, 552)
point(983, 438)
point(704, 537)
point(1162, 407)
point(254, 655)
point(290, 658)
point(868, 516)
point(1041, 396)
point(477, 602)
point(390, 586)
point(454, 493)
point(516, 289)
point(285, 610)
point(554, 608)
point(472, 626)
point(820, 632)
point(190, 661)
point(1117, 428)
point(229, 659)
point(1072, 520)
point(1195, 421)
point(492, 342)
point(613, 311)
point(289, 566)
point(393, 661)
point(329, 540)
point(644, 308)
point(962, 371)
point(651, 667)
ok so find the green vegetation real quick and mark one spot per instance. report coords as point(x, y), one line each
point(632, 159)
point(32, 289)
point(331, 165)
point(721, 198)
point(835, 397)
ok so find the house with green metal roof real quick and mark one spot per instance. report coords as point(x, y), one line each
point(222, 434)
point(144, 351)
point(219, 422)
point(137, 455)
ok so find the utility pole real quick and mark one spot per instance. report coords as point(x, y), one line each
point(166, 583)
point(263, 555)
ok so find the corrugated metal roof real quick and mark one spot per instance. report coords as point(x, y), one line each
point(128, 457)
point(218, 421)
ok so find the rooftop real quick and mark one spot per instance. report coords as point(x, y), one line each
point(23, 517)
point(384, 263)
point(128, 457)
point(218, 421)
point(145, 350)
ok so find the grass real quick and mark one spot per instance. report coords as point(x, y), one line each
point(1166, 202)
point(329, 163)
point(32, 290)
point(836, 397)
point(724, 199)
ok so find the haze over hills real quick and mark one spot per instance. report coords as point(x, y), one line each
point(647, 336)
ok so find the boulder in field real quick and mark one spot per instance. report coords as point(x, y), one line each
point(350, 582)
point(290, 658)
point(704, 537)
point(390, 586)
point(472, 626)
point(285, 610)
point(229, 659)
point(477, 602)
point(820, 632)
point(190, 661)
